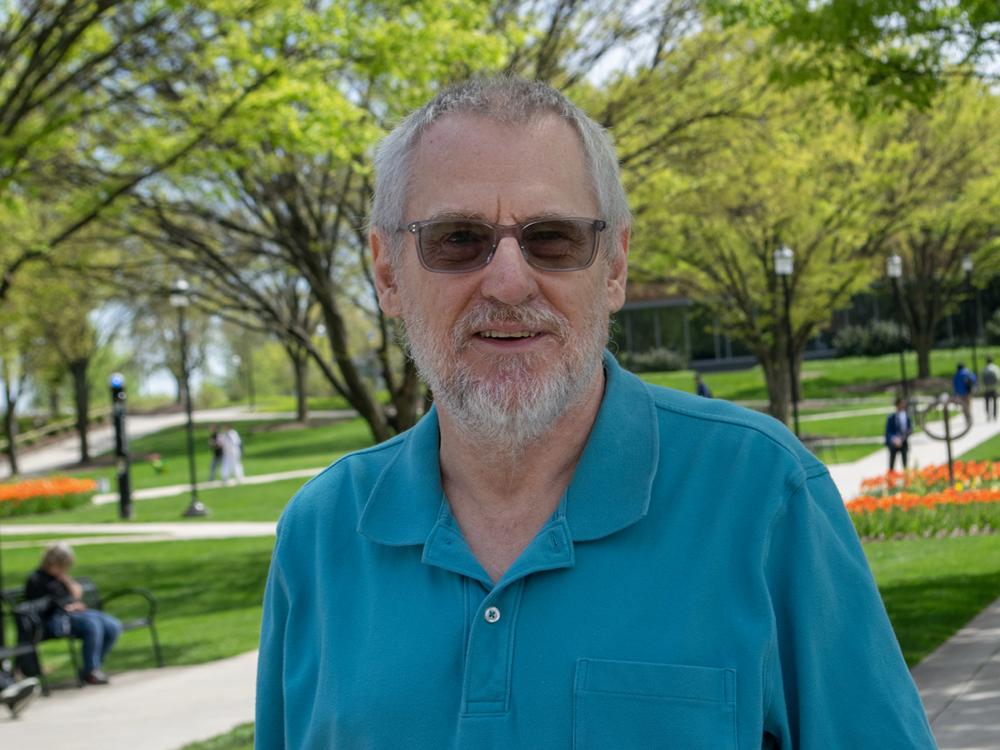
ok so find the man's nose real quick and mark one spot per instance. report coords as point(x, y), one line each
point(509, 278)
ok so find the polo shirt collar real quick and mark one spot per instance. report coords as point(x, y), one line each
point(610, 489)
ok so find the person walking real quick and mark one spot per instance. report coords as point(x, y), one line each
point(67, 614)
point(963, 386)
point(991, 379)
point(897, 434)
point(215, 443)
point(701, 388)
point(232, 455)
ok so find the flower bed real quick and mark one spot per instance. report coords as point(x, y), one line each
point(920, 502)
point(44, 495)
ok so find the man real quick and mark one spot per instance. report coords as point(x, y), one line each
point(559, 555)
point(701, 387)
point(991, 379)
point(897, 434)
point(964, 385)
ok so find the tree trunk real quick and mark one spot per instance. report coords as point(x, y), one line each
point(300, 366)
point(81, 398)
point(10, 428)
point(776, 380)
point(923, 342)
point(54, 406)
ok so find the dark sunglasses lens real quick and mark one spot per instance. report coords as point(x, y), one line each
point(455, 245)
point(560, 244)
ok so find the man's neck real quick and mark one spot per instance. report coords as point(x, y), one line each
point(501, 499)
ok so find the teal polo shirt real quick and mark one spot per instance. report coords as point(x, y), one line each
point(699, 586)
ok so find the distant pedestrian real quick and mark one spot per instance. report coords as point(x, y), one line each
point(991, 379)
point(897, 434)
point(215, 443)
point(964, 385)
point(700, 387)
point(232, 455)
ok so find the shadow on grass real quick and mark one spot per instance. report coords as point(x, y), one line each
point(925, 614)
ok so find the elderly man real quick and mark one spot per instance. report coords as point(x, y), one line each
point(559, 555)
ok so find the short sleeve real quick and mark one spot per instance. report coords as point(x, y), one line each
point(835, 677)
point(269, 732)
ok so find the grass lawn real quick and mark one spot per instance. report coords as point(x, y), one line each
point(988, 451)
point(208, 594)
point(868, 425)
point(258, 502)
point(239, 738)
point(268, 446)
point(843, 454)
point(932, 587)
point(827, 378)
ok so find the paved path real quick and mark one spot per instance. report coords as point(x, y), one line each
point(151, 709)
point(65, 453)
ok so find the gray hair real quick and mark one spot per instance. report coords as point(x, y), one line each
point(508, 100)
point(59, 555)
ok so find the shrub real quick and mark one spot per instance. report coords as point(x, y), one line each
point(44, 495)
point(653, 360)
point(876, 338)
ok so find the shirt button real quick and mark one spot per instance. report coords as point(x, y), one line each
point(491, 615)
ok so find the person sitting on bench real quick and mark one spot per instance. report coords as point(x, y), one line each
point(68, 615)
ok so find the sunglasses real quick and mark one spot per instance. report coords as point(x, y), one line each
point(460, 245)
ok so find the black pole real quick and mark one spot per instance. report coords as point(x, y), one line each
point(791, 356)
point(947, 442)
point(122, 461)
point(974, 327)
point(196, 507)
point(250, 390)
point(902, 342)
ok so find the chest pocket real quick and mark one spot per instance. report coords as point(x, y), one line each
point(640, 706)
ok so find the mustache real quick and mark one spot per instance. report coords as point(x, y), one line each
point(487, 314)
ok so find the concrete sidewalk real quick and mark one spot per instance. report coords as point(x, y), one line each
point(960, 685)
point(150, 709)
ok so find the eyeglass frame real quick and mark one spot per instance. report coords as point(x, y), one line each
point(501, 231)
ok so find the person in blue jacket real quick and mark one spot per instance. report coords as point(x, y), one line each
point(558, 554)
point(898, 429)
point(964, 385)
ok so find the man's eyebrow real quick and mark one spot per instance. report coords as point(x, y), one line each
point(461, 215)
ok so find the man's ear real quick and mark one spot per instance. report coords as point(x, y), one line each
point(618, 270)
point(385, 274)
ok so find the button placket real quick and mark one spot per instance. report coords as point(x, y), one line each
point(490, 649)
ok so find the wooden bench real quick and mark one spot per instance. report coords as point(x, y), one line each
point(26, 616)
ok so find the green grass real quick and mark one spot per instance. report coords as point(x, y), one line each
point(848, 377)
point(869, 425)
point(268, 446)
point(988, 451)
point(288, 403)
point(844, 454)
point(240, 738)
point(259, 502)
point(208, 594)
point(932, 587)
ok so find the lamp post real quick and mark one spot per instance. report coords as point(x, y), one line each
point(179, 298)
point(894, 270)
point(784, 265)
point(967, 266)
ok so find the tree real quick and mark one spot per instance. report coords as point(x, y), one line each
point(62, 306)
point(946, 168)
point(877, 54)
point(802, 175)
point(85, 89)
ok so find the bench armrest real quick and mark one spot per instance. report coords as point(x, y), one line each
point(143, 593)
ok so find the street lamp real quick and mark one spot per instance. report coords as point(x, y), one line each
point(179, 298)
point(894, 270)
point(784, 265)
point(967, 267)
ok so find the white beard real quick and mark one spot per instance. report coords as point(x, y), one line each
point(515, 405)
